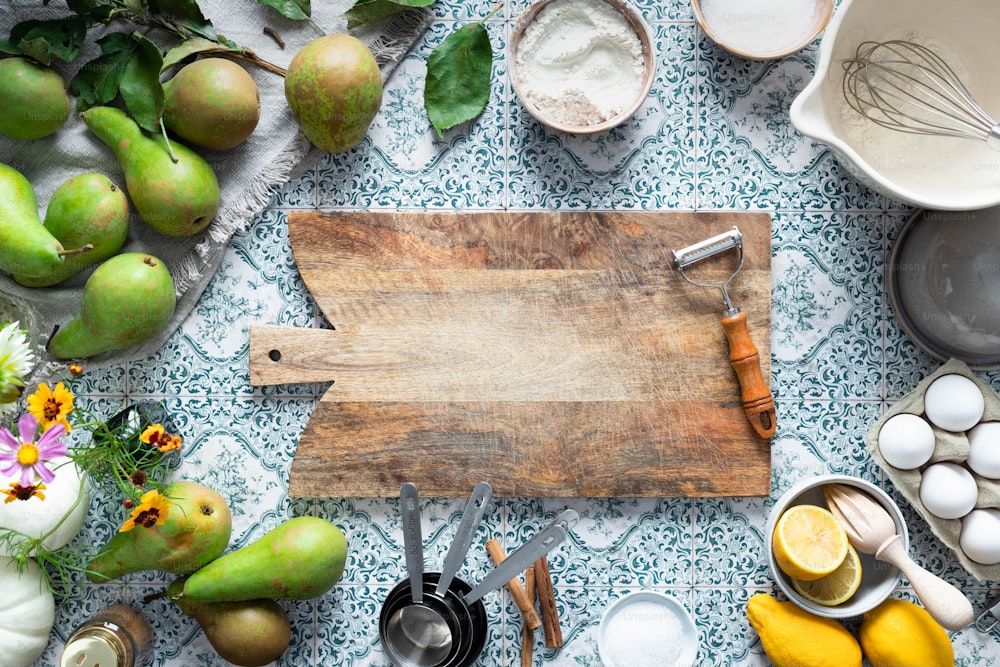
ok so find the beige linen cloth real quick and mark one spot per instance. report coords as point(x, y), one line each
point(249, 175)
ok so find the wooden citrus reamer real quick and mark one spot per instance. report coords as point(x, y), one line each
point(758, 403)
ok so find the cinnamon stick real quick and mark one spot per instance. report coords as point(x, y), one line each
point(528, 634)
point(547, 603)
point(526, 606)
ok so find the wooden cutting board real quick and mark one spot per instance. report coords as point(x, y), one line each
point(552, 354)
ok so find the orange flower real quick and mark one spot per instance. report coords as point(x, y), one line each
point(18, 492)
point(51, 406)
point(152, 511)
point(158, 437)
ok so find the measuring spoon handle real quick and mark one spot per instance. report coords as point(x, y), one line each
point(542, 543)
point(413, 541)
point(460, 544)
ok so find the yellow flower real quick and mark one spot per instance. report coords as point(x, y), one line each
point(51, 406)
point(157, 436)
point(18, 492)
point(152, 511)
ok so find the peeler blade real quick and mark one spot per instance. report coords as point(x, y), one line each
point(712, 246)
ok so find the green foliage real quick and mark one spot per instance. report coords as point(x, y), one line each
point(366, 11)
point(44, 40)
point(457, 88)
point(296, 10)
point(140, 86)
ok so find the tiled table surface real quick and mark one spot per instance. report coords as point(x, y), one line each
point(714, 135)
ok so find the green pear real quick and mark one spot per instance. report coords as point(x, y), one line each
point(300, 559)
point(178, 194)
point(33, 99)
point(213, 103)
point(248, 633)
point(196, 530)
point(126, 300)
point(86, 210)
point(26, 247)
point(334, 89)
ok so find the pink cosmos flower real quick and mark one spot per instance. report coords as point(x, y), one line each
point(26, 455)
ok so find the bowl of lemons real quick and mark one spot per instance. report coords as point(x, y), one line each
point(812, 560)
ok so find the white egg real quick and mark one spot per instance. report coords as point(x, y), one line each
point(954, 402)
point(906, 441)
point(980, 538)
point(984, 449)
point(948, 490)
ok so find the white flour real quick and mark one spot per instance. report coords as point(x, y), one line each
point(580, 62)
point(759, 26)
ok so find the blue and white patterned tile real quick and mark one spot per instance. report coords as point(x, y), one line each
point(726, 637)
point(298, 192)
point(744, 131)
point(827, 305)
point(466, 11)
point(404, 164)
point(645, 163)
point(619, 541)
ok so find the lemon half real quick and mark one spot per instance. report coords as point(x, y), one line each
point(808, 542)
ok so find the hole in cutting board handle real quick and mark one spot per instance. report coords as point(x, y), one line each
point(274, 355)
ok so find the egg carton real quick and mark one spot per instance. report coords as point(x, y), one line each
point(948, 446)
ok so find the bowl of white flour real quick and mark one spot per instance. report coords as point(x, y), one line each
point(582, 66)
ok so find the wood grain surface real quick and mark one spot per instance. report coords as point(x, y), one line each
point(553, 354)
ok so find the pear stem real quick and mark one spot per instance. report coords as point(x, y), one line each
point(76, 251)
point(170, 149)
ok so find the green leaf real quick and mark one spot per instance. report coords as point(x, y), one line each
point(414, 3)
point(192, 46)
point(97, 81)
point(367, 11)
point(43, 40)
point(140, 84)
point(93, 10)
point(184, 15)
point(296, 10)
point(457, 88)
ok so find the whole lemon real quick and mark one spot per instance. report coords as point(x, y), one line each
point(792, 637)
point(898, 633)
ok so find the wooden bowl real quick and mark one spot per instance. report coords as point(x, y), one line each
point(642, 30)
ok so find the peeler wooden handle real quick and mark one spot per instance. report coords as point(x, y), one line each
point(745, 360)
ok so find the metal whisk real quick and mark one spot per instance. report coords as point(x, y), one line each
point(907, 87)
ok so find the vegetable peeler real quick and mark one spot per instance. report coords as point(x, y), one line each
point(758, 403)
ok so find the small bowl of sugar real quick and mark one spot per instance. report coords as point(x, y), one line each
point(762, 29)
point(647, 627)
point(582, 66)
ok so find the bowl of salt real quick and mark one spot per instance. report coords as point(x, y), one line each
point(647, 628)
point(762, 29)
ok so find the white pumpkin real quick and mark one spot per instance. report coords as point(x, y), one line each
point(35, 517)
point(27, 613)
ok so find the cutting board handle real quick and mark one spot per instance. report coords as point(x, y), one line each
point(758, 403)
